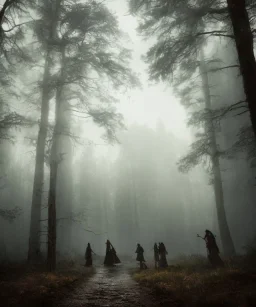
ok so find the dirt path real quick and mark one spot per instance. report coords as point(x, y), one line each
point(109, 287)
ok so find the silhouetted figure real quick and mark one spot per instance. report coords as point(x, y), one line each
point(140, 256)
point(156, 255)
point(212, 249)
point(88, 255)
point(116, 259)
point(109, 258)
point(162, 252)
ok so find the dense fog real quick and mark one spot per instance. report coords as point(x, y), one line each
point(133, 156)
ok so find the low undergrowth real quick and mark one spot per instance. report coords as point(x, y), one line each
point(192, 282)
point(33, 286)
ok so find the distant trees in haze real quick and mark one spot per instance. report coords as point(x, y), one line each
point(79, 64)
point(207, 150)
point(182, 30)
point(45, 30)
point(144, 194)
point(12, 57)
point(182, 27)
point(87, 60)
point(61, 58)
point(152, 194)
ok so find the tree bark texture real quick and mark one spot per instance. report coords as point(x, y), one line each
point(226, 239)
point(244, 45)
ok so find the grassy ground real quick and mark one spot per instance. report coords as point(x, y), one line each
point(32, 286)
point(191, 282)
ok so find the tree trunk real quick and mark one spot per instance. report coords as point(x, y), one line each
point(64, 181)
point(227, 242)
point(5, 7)
point(244, 45)
point(55, 159)
point(51, 253)
point(34, 237)
point(65, 197)
point(52, 233)
point(135, 203)
point(104, 202)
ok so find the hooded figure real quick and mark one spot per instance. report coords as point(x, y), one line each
point(211, 244)
point(111, 257)
point(156, 255)
point(88, 255)
point(140, 256)
point(116, 259)
point(212, 249)
point(162, 252)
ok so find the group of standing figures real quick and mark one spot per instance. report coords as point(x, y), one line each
point(160, 253)
point(111, 257)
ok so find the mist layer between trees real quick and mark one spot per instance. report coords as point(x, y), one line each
point(64, 67)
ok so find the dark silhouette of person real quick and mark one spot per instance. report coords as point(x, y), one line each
point(111, 257)
point(140, 256)
point(212, 249)
point(88, 255)
point(211, 244)
point(159, 246)
point(116, 259)
point(156, 255)
point(162, 252)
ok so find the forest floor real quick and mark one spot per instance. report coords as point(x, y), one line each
point(110, 287)
point(22, 285)
point(99, 287)
point(184, 284)
point(196, 284)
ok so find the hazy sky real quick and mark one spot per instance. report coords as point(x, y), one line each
point(152, 102)
point(148, 104)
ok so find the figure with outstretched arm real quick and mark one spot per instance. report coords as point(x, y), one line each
point(212, 249)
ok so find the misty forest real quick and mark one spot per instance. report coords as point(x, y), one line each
point(127, 153)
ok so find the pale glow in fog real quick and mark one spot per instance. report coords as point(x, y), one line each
point(151, 102)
